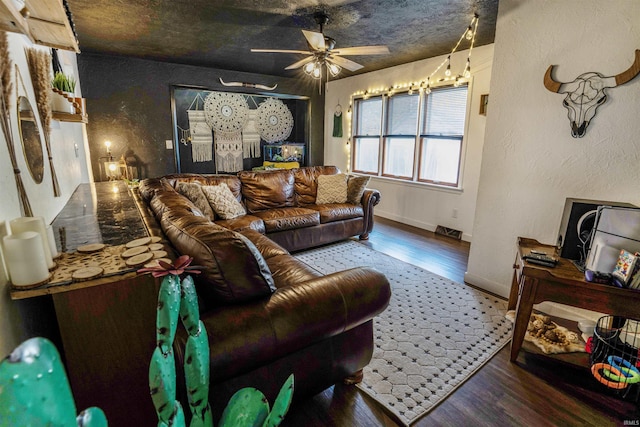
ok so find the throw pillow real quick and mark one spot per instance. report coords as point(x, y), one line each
point(223, 202)
point(355, 188)
point(332, 189)
point(193, 192)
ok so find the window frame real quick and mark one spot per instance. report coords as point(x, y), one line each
point(386, 136)
point(419, 139)
point(356, 136)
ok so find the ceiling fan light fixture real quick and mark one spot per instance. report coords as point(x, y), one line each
point(309, 67)
point(333, 69)
point(316, 73)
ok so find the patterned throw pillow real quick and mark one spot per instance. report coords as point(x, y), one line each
point(193, 192)
point(332, 189)
point(355, 188)
point(222, 201)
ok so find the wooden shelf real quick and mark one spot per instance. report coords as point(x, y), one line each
point(11, 20)
point(579, 359)
point(68, 117)
point(47, 23)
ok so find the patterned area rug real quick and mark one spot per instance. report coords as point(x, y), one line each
point(433, 336)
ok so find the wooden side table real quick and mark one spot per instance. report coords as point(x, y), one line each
point(565, 284)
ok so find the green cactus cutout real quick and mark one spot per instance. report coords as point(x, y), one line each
point(34, 389)
point(247, 407)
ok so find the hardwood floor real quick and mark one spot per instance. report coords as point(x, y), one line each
point(534, 391)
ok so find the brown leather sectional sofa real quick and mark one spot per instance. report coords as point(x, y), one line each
point(268, 314)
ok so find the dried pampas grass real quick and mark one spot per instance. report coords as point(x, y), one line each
point(39, 63)
point(5, 119)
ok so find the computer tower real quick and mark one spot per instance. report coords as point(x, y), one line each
point(574, 211)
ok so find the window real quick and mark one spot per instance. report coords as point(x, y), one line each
point(400, 135)
point(366, 140)
point(415, 137)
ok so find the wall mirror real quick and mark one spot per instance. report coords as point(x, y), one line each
point(30, 137)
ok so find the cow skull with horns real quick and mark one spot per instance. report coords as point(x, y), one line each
point(587, 92)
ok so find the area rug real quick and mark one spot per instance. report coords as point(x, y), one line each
point(433, 336)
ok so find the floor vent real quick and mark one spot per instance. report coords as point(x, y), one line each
point(449, 232)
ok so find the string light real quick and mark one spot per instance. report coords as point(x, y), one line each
point(425, 86)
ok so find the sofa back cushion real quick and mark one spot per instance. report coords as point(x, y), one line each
point(267, 190)
point(306, 182)
point(169, 200)
point(233, 270)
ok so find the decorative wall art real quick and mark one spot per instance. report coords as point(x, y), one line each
point(224, 132)
point(587, 92)
point(39, 63)
point(275, 121)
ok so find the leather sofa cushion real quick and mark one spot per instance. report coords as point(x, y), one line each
point(288, 271)
point(242, 223)
point(171, 201)
point(267, 247)
point(233, 270)
point(337, 211)
point(306, 182)
point(267, 190)
point(150, 186)
point(288, 218)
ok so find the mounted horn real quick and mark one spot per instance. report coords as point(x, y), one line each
point(251, 85)
point(630, 73)
point(549, 82)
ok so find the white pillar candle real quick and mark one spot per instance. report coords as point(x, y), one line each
point(4, 231)
point(34, 223)
point(52, 242)
point(24, 253)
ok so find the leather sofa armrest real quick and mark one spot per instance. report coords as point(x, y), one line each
point(370, 198)
point(245, 336)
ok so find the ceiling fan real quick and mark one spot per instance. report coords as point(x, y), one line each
point(322, 51)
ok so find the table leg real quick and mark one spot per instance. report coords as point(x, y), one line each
point(513, 294)
point(523, 313)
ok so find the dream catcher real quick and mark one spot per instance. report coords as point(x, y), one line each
point(227, 114)
point(275, 121)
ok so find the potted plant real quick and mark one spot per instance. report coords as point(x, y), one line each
point(63, 87)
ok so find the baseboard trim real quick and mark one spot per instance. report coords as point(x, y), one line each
point(414, 223)
point(488, 285)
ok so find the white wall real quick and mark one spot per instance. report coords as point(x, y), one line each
point(70, 168)
point(419, 205)
point(530, 162)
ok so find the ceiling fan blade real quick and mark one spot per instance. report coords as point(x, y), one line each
point(305, 52)
point(362, 50)
point(344, 63)
point(315, 40)
point(300, 63)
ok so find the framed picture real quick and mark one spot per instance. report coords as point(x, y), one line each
point(225, 132)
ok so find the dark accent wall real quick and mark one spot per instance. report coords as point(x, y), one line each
point(129, 104)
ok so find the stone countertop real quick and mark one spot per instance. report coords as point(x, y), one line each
point(101, 212)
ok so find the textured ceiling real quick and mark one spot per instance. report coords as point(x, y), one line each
point(220, 33)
